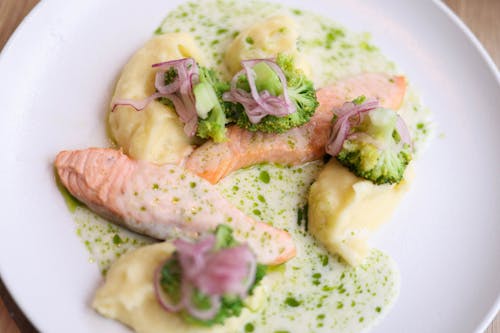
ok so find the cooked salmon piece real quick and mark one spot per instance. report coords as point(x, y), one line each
point(162, 201)
point(213, 161)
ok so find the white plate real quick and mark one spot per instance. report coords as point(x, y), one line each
point(56, 75)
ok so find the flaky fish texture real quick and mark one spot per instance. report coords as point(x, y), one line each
point(162, 201)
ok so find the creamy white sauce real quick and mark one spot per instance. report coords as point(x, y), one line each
point(315, 291)
point(105, 241)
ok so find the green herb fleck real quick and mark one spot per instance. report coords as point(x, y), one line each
point(332, 35)
point(158, 31)
point(291, 301)
point(249, 327)
point(117, 240)
point(360, 99)
point(367, 47)
point(264, 177)
point(324, 259)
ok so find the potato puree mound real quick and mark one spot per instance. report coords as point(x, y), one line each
point(265, 39)
point(154, 134)
point(128, 295)
point(344, 210)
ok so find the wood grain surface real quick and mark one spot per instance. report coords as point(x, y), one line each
point(482, 17)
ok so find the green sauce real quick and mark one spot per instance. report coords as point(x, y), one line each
point(71, 202)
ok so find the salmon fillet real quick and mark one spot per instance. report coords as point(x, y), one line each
point(162, 201)
point(213, 161)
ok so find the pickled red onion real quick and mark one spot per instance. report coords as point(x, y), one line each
point(351, 114)
point(213, 273)
point(345, 118)
point(257, 104)
point(179, 91)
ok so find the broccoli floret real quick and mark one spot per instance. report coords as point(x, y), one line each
point(376, 153)
point(299, 88)
point(224, 237)
point(209, 105)
point(231, 305)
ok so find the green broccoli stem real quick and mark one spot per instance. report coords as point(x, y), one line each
point(209, 106)
point(206, 99)
point(266, 79)
point(381, 124)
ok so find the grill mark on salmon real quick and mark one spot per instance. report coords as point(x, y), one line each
point(213, 161)
point(162, 201)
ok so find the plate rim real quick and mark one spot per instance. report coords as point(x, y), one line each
point(41, 6)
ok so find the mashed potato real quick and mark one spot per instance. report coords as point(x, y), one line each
point(344, 210)
point(265, 39)
point(154, 134)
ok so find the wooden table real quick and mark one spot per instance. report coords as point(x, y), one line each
point(480, 15)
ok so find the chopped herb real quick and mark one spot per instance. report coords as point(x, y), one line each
point(117, 240)
point(249, 327)
point(332, 35)
point(291, 301)
point(367, 47)
point(264, 177)
point(324, 259)
point(360, 99)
